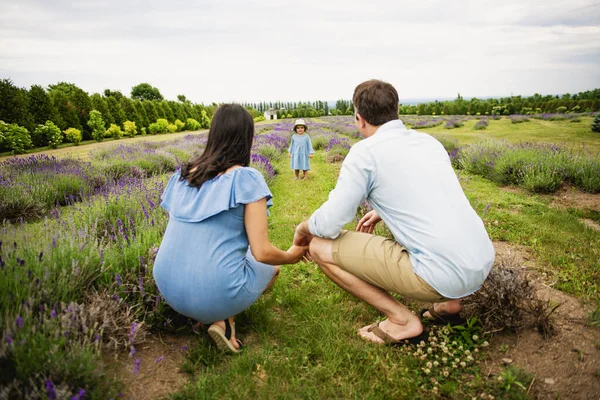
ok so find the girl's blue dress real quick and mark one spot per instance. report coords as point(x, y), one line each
point(204, 268)
point(300, 148)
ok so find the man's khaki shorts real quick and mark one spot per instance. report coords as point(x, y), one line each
point(381, 262)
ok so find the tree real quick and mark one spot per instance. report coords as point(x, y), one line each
point(13, 105)
point(131, 113)
point(101, 104)
point(182, 98)
point(145, 91)
point(79, 101)
point(40, 106)
point(67, 117)
point(150, 110)
point(114, 107)
point(96, 123)
point(113, 93)
point(596, 124)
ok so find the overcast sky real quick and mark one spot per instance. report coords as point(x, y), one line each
point(223, 50)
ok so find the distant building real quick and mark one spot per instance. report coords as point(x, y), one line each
point(270, 114)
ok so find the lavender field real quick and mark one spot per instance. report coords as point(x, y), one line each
point(78, 239)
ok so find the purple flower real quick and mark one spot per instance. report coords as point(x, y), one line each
point(118, 280)
point(486, 209)
point(9, 340)
point(159, 359)
point(132, 332)
point(50, 389)
point(79, 396)
point(53, 313)
point(19, 322)
point(115, 297)
point(136, 365)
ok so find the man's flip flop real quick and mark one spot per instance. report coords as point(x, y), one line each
point(390, 341)
point(222, 338)
point(439, 319)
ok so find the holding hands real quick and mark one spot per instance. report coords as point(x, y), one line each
point(368, 221)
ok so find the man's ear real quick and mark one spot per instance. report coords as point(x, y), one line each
point(360, 120)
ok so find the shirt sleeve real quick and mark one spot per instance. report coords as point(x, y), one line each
point(310, 148)
point(354, 184)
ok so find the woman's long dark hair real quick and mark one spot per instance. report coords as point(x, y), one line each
point(229, 143)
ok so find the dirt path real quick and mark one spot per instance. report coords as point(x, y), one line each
point(158, 373)
point(566, 366)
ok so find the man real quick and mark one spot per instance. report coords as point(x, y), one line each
point(441, 251)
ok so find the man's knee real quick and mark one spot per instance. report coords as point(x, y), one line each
point(320, 250)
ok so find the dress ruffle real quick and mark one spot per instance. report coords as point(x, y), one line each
point(240, 186)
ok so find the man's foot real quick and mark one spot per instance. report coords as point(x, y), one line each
point(439, 316)
point(387, 332)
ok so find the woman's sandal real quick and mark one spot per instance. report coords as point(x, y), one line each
point(442, 319)
point(222, 338)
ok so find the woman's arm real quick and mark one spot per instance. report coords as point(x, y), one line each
point(255, 220)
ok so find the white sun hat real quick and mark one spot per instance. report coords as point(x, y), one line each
point(300, 121)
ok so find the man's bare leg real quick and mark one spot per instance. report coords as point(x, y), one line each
point(400, 324)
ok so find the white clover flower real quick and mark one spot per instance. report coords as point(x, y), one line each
point(475, 337)
point(435, 363)
point(429, 351)
point(485, 344)
point(463, 364)
point(476, 350)
point(444, 359)
point(457, 360)
point(461, 348)
point(470, 358)
point(427, 371)
point(467, 352)
point(429, 364)
point(445, 373)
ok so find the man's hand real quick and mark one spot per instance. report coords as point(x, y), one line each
point(302, 235)
point(368, 221)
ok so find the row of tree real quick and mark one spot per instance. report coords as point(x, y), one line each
point(588, 101)
point(69, 106)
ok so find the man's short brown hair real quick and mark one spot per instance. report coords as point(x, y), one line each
point(376, 101)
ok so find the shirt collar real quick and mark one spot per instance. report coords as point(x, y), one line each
point(391, 125)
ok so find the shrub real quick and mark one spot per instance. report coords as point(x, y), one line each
point(192, 124)
point(596, 124)
point(14, 138)
point(337, 149)
point(129, 128)
point(73, 135)
point(49, 134)
point(171, 128)
point(114, 131)
point(259, 118)
point(143, 130)
point(180, 125)
point(96, 123)
point(481, 124)
point(204, 119)
point(160, 126)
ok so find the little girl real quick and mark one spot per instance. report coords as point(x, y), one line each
point(301, 149)
point(215, 258)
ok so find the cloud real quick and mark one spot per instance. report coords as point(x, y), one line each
point(260, 50)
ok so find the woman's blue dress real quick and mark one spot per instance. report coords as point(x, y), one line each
point(300, 148)
point(204, 268)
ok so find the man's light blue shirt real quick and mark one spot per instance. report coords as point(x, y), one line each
point(407, 177)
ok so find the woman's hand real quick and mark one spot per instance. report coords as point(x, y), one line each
point(297, 253)
point(368, 221)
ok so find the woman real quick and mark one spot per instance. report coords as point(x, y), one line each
point(215, 258)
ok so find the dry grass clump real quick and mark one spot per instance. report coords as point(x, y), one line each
point(507, 300)
point(118, 324)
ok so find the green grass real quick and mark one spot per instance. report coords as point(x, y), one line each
point(566, 249)
point(570, 134)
